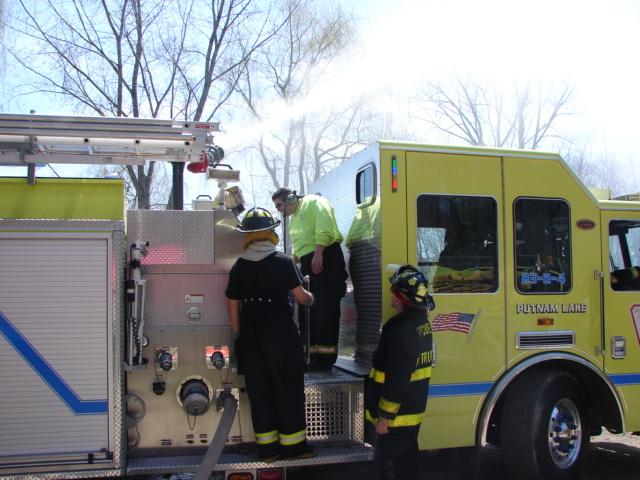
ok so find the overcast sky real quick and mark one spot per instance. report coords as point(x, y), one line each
point(591, 44)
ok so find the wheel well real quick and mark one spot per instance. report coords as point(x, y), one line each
point(604, 410)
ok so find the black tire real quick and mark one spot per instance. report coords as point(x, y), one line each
point(544, 427)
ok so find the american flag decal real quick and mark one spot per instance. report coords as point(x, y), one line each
point(456, 322)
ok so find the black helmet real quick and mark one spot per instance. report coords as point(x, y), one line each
point(257, 220)
point(412, 285)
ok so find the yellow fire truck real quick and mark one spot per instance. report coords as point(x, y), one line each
point(537, 290)
point(114, 338)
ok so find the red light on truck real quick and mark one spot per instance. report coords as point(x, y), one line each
point(545, 322)
point(271, 474)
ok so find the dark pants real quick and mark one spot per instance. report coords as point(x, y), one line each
point(328, 288)
point(273, 364)
point(397, 454)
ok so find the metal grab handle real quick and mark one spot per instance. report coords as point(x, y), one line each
point(306, 282)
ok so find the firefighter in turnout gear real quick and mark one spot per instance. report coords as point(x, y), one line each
point(269, 349)
point(315, 240)
point(396, 390)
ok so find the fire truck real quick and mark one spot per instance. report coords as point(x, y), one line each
point(115, 342)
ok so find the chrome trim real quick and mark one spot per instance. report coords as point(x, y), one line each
point(552, 335)
point(618, 353)
point(500, 386)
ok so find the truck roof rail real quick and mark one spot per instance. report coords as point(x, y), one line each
point(27, 139)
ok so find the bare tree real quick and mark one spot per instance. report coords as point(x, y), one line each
point(312, 137)
point(524, 117)
point(599, 170)
point(478, 114)
point(157, 58)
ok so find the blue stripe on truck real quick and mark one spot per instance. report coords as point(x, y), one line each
point(48, 373)
point(459, 389)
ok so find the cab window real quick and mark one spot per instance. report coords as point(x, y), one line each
point(542, 245)
point(366, 185)
point(624, 254)
point(456, 243)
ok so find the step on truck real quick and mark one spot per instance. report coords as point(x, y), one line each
point(115, 343)
point(536, 282)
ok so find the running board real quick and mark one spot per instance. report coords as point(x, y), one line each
point(327, 454)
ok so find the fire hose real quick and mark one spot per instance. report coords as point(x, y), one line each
point(212, 455)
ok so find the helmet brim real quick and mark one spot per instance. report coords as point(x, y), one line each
point(271, 227)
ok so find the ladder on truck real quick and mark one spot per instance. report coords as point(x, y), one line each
point(35, 139)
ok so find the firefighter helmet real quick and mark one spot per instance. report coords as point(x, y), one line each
point(412, 285)
point(257, 220)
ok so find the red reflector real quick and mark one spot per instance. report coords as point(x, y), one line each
point(271, 474)
point(545, 321)
point(240, 476)
point(198, 167)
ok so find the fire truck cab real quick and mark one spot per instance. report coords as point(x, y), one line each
point(537, 290)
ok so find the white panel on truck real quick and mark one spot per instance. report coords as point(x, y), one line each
point(55, 310)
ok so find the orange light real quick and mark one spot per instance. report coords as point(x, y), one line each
point(240, 476)
point(545, 322)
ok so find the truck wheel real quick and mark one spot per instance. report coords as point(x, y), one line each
point(544, 429)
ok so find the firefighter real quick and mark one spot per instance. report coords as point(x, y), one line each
point(269, 348)
point(396, 390)
point(315, 239)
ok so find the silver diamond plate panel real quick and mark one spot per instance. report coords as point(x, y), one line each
point(175, 237)
point(118, 327)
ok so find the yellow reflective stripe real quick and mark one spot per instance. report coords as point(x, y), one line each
point(323, 349)
point(411, 420)
point(387, 406)
point(378, 376)
point(406, 420)
point(369, 417)
point(421, 374)
point(267, 438)
point(293, 438)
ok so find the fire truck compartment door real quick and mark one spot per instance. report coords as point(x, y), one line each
point(454, 228)
point(55, 306)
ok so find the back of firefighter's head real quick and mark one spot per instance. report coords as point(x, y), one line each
point(258, 224)
point(285, 200)
point(409, 285)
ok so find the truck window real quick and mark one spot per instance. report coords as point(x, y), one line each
point(456, 243)
point(624, 254)
point(542, 245)
point(366, 185)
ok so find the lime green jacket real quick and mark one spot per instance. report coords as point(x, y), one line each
point(313, 223)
